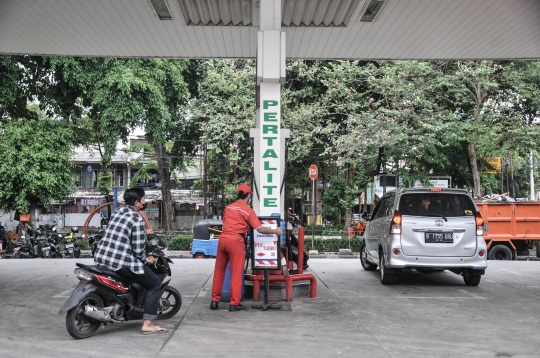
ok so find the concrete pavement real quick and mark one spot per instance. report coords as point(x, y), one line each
point(422, 315)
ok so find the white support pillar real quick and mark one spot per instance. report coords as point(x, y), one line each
point(269, 137)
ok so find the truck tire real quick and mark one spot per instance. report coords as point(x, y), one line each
point(500, 252)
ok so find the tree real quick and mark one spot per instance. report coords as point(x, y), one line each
point(224, 107)
point(147, 93)
point(495, 102)
point(35, 165)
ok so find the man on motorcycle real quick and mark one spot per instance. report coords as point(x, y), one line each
point(293, 218)
point(122, 249)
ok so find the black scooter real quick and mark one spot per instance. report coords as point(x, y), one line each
point(71, 247)
point(53, 240)
point(93, 241)
point(32, 248)
point(102, 296)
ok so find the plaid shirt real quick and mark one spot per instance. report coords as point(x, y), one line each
point(123, 242)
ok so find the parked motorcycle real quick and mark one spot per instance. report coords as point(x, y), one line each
point(54, 239)
point(3, 238)
point(102, 296)
point(71, 247)
point(30, 248)
point(93, 240)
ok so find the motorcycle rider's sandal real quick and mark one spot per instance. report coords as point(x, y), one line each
point(155, 330)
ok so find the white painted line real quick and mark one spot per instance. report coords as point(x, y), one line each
point(514, 272)
point(65, 293)
point(471, 294)
point(472, 297)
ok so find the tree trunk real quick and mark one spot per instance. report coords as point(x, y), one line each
point(348, 223)
point(480, 98)
point(474, 168)
point(164, 170)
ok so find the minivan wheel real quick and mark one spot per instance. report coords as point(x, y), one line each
point(368, 266)
point(470, 279)
point(500, 252)
point(386, 278)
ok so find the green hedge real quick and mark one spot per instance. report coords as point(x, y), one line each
point(333, 245)
point(325, 230)
point(183, 243)
point(180, 243)
point(83, 245)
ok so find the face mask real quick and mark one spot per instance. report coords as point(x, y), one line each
point(144, 206)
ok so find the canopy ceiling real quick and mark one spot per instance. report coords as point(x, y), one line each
point(316, 29)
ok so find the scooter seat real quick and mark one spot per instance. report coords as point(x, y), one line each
point(102, 270)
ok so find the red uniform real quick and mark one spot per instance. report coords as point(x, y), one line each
point(237, 218)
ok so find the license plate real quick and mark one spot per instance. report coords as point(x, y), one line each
point(69, 246)
point(435, 237)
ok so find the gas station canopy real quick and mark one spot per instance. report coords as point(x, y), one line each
point(315, 29)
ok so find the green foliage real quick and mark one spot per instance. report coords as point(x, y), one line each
point(180, 243)
point(183, 243)
point(327, 230)
point(105, 180)
point(83, 244)
point(424, 118)
point(333, 245)
point(13, 97)
point(35, 163)
point(225, 110)
point(333, 207)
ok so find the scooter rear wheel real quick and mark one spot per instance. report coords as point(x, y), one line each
point(169, 303)
point(79, 325)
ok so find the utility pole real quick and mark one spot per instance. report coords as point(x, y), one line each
point(531, 172)
point(204, 182)
point(512, 177)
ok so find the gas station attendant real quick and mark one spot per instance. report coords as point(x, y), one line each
point(237, 218)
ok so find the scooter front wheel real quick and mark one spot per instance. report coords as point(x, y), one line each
point(169, 303)
point(79, 325)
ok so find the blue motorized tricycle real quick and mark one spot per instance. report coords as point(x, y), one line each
point(205, 238)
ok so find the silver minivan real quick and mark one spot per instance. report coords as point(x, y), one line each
point(426, 229)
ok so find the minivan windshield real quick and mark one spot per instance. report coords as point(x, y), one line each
point(436, 203)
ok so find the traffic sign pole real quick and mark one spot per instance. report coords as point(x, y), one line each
point(313, 218)
point(313, 173)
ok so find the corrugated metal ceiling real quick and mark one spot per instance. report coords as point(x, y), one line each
point(317, 13)
point(310, 13)
point(217, 12)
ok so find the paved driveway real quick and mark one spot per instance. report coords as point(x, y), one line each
point(423, 315)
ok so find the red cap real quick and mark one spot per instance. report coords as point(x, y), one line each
point(245, 188)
